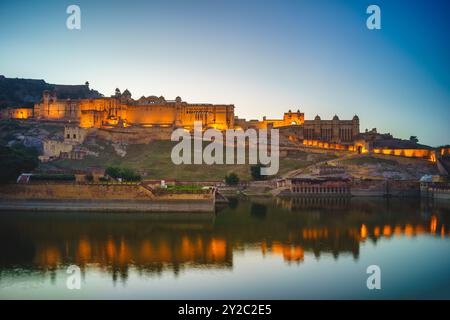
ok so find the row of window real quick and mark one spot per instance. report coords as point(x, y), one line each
point(314, 190)
point(327, 134)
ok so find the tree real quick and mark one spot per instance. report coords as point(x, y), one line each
point(414, 139)
point(232, 179)
point(126, 174)
point(16, 160)
point(130, 175)
point(113, 172)
point(255, 172)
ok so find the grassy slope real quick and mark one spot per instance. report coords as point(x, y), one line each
point(154, 162)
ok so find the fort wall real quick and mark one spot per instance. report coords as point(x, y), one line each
point(409, 153)
point(100, 197)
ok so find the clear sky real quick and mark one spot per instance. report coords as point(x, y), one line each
point(263, 56)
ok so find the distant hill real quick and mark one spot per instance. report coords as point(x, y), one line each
point(15, 92)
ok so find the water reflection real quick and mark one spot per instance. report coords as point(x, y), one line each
point(285, 228)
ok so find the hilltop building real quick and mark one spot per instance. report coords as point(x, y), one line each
point(122, 119)
point(121, 110)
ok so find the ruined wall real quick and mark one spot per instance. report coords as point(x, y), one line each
point(53, 148)
point(74, 134)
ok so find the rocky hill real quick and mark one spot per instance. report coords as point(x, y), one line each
point(15, 92)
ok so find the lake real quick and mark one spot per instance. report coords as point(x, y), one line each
point(291, 248)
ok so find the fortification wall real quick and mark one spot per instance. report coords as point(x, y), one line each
point(403, 188)
point(135, 135)
point(62, 191)
point(368, 188)
point(409, 153)
point(100, 197)
point(394, 188)
point(327, 145)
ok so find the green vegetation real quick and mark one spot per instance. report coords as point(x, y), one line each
point(232, 179)
point(16, 160)
point(255, 172)
point(153, 161)
point(126, 174)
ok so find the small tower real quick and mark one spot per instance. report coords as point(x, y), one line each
point(46, 97)
point(126, 95)
point(355, 122)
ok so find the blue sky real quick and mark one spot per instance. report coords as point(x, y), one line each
point(263, 56)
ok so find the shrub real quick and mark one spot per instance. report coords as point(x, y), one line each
point(255, 172)
point(126, 174)
point(232, 179)
point(16, 160)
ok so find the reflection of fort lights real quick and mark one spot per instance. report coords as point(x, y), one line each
point(363, 231)
point(420, 229)
point(387, 231)
point(409, 230)
point(433, 224)
point(376, 232)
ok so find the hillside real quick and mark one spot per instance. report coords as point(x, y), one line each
point(15, 92)
point(153, 160)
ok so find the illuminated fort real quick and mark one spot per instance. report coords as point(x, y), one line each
point(121, 118)
point(121, 111)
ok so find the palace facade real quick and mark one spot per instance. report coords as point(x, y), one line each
point(122, 111)
point(334, 131)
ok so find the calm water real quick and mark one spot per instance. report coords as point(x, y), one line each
point(289, 248)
